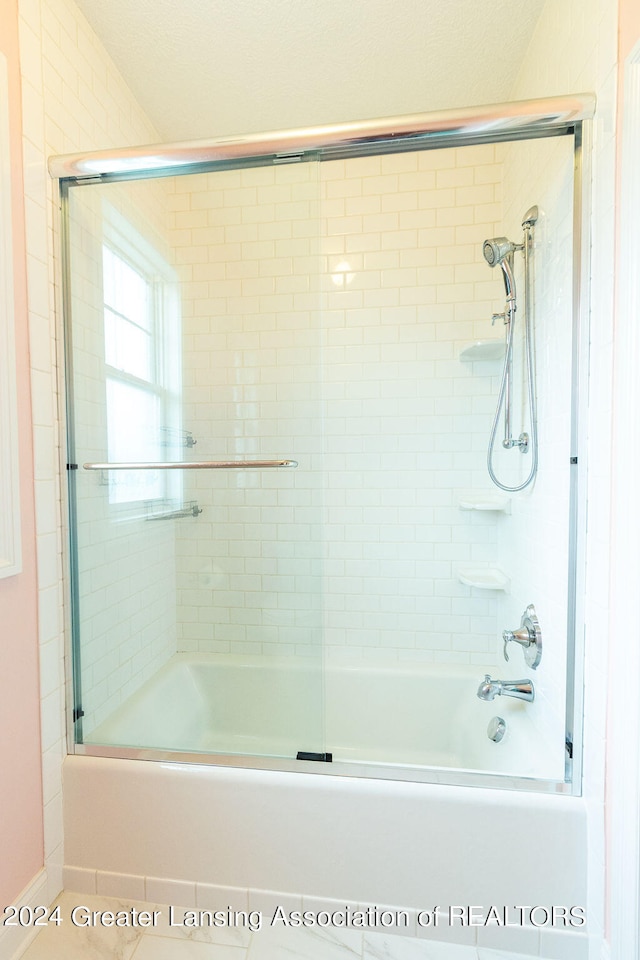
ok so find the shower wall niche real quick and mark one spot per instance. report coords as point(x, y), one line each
point(336, 313)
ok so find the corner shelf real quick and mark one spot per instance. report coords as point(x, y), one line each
point(492, 349)
point(485, 501)
point(484, 578)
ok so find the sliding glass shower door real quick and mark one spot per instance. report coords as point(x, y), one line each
point(195, 460)
point(286, 541)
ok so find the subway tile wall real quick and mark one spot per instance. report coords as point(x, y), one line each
point(574, 47)
point(250, 565)
point(126, 581)
point(324, 312)
point(409, 229)
point(275, 557)
point(534, 544)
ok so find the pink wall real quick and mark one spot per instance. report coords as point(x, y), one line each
point(21, 844)
point(629, 29)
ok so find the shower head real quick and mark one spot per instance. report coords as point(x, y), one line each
point(495, 250)
point(499, 251)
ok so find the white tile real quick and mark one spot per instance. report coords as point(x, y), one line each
point(379, 946)
point(557, 945)
point(177, 892)
point(212, 897)
point(77, 941)
point(79, 880)
point(305, 944)
point(166, 948)
point(519, 939)
point(268, 901)
point(391, 920)
point(486, 953)
point(217, 921)
point(447, 933)
point(121, 885)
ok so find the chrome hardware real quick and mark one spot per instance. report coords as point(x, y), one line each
point(498, 316)
point(496, 729)
point(190, 509)
point(172, 437)
point(518, 689)
point(523, 442)
point(450, 127)
point(529, 636)
point(499, 251)
point(202, 465)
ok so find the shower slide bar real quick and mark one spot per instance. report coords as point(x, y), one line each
point(202, 465)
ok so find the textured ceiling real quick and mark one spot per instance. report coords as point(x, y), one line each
point(209, 68)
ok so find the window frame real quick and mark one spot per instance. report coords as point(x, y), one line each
point(125, 242)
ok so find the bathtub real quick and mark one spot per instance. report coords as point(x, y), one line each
point(407, 716)
point(209, 836)
point(223, 834)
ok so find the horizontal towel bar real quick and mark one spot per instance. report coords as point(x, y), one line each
point(202, 465)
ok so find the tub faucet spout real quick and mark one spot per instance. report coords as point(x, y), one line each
point(519, 689)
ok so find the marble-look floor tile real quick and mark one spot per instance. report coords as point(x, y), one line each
point(380, 946)
point(305, 944)
point(170, 948)
point(487, 953)
point(235, 933)
point(84, 942)
point(233, 942)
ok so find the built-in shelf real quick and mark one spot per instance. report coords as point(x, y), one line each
point(492, 349)
point(485, 578)
point(484, 501)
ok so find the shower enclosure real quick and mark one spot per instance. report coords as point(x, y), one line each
point(286, 550)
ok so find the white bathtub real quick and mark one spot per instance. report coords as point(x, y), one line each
point(217, 835)
point(213, 836)
point(408, 716)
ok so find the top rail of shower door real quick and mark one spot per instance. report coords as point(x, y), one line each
point(515, 119)
point(195, 465)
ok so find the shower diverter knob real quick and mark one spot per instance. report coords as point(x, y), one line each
point(529, 636)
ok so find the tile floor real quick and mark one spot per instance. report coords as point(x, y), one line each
point(161, 942)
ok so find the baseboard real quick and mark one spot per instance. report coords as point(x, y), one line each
point(15, 939)
point(257, 909)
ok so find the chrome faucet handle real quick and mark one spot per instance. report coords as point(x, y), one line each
point(521, 636)
point(498, 316)
point(529, 636)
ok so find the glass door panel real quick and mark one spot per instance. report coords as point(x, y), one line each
point(194, 339)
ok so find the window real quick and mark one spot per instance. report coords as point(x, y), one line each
point(141, 366)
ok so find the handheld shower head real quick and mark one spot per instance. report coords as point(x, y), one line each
point(495, 250)
point(499, 250)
